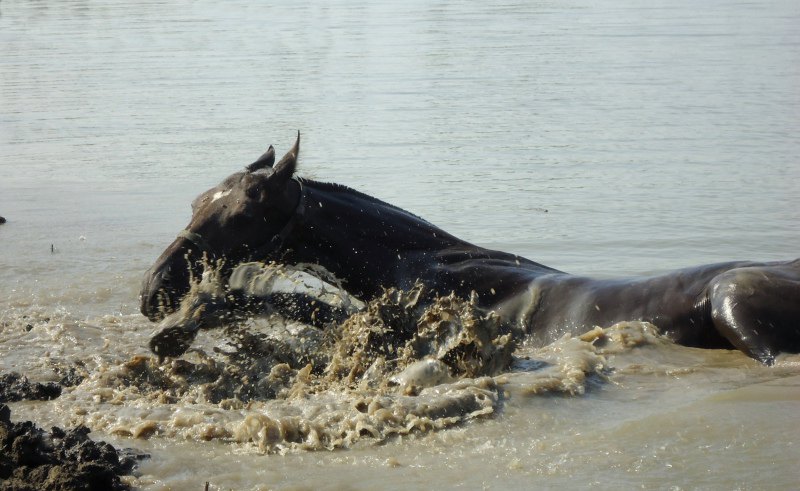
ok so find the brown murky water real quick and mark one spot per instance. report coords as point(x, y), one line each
point(595, 139)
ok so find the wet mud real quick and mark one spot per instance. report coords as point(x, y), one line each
point(34, 459)
point(16, 387)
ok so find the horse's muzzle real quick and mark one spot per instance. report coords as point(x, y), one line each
point(162, 290)
point(151, 296)
point(168, 280)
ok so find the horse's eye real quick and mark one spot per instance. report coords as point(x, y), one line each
point(253, 192)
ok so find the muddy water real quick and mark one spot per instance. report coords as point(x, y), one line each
point(599, 140)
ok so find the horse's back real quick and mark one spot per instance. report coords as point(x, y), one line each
point(680, 303)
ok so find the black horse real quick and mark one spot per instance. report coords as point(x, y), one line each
point(264, 213)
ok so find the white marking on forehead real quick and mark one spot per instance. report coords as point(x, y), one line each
point(220, 194)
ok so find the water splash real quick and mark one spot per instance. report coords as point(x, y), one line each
point(399, 365)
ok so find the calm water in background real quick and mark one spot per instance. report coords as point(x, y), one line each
point(598, 139)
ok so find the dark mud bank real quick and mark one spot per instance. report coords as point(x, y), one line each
point(33, 459)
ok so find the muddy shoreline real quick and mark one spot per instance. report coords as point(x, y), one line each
point(35, 459)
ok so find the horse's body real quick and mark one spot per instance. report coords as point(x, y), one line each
point(370, 245)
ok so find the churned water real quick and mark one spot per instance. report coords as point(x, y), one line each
point(606, 139)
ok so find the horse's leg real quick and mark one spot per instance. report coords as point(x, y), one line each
point(757, 309)
point(305, 308)
point(179, 335)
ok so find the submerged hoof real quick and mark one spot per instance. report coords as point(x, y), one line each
point(172, 341)
point(2, 220)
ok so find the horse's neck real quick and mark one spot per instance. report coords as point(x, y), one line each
point(366, 243)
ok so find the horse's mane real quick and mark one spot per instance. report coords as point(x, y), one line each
point(341, 188)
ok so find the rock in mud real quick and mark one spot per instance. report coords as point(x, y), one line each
point(15, 387)
point(33, 459)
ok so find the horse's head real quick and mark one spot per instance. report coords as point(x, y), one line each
point(245, 217)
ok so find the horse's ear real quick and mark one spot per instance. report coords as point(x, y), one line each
point(266, 160)
point(287, 165)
